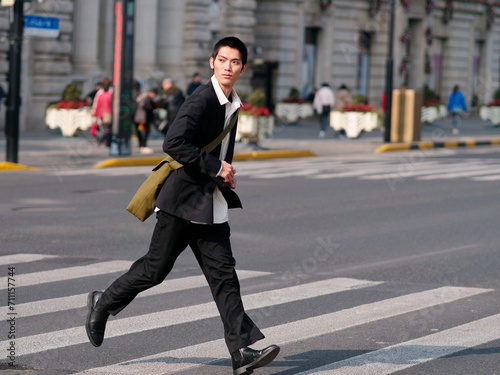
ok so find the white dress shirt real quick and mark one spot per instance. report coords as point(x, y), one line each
point(220, 204)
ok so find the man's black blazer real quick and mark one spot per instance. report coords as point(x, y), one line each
point(188, 191)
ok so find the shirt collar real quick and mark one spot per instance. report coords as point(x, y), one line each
point(222, 98)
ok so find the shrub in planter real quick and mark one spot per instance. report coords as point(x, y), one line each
point(294, 97)
point(256, 105)
point(496, 99)
point(359, 99)
point(430, 98)
point(71, 98)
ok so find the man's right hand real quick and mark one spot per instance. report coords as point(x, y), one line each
point(227, 172)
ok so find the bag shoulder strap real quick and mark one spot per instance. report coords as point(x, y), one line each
point(212, 145)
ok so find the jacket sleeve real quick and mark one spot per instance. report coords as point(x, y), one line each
point(463, 103)
point(189, 133)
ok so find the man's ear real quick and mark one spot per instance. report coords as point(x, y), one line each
point(244, 68)
point(212, 63)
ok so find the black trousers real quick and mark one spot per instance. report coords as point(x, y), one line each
point(212, 248)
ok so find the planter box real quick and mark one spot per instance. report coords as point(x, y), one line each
point(71, 121)
point(431, 114)
point(490, 114)
point(254, 128)
point(294, 111)
point(354, 123)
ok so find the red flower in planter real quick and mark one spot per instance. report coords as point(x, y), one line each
point(254, 111)
point(67, 104)
point(294, 100)
point(357, 108)
point(431, 102)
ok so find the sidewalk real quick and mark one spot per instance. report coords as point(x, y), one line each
point(47, 149)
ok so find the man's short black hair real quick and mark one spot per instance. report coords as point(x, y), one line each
point(231, 42)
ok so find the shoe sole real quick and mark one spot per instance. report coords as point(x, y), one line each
point(90, 298)
point(264, 360)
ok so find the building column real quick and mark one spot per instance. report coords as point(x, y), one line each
point(491, 75)
point(86, 36)
point(171, 17)
point(106, 48)
point(240, 22)
point(146, 39)
point(204, 20)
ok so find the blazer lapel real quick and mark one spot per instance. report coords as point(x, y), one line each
point(218, 127)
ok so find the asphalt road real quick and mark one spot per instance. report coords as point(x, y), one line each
point(357, 264)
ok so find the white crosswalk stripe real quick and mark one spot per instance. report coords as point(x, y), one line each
point(80, 300)
point(424, 349)
point(385, 169)
point(119, 327)
point(68, 273)
point(299, 330)
point(22, 258)
point(312, 325)
point(324, 168)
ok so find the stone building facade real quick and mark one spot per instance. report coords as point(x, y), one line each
point(292, 43)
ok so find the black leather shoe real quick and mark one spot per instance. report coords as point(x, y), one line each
point(247, 359)
point(96, 320)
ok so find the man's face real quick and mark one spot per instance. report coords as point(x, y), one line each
point(227, 66)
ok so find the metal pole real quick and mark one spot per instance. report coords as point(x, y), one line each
point(389, 74)
point(13, 96)
point(123, 76)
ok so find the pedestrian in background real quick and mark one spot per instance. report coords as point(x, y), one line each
point(143, 118)
point(89, 98)
point(456, 107)
point(192, 210)
point(103, 112)
point(171, 99)
point(323, 103)
point(343, 97)
point(100, 90)
point(195, 83)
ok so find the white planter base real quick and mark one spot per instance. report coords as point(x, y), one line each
point(254, 128)
point(490, 114)
point(431, 114)
point(294, 111)
point(71, 121)
point(354, 123)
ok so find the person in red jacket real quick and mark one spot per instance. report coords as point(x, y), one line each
point(102, 111)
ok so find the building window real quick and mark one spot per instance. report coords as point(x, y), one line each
point(435, 77)
point(476, 74)
point(309, 61)
point(363, 62)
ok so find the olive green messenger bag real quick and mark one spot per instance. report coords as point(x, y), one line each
point(142, 204)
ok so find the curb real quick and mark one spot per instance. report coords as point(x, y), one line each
point(272, 154)
point(6, 165)
point(253, 155)
point(430, 145)
point(129, 162)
